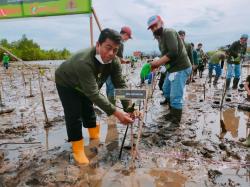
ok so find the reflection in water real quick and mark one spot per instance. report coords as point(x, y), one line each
point(231, 121)
point(112, 137)
point(142, 178)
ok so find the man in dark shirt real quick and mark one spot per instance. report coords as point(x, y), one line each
point(235, 53)
point(189, 50)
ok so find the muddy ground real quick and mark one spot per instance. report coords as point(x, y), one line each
point(35, 152)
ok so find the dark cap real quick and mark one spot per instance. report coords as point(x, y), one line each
point(182, 32)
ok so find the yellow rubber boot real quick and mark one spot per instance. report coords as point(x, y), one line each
point(78, 152)
point(94, 133)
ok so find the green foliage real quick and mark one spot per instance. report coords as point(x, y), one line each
point(28, 50)
point(210, 53)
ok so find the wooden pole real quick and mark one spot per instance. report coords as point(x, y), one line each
point(1, 94)
point(91, 31)
point(1, 102)
point(96, 19)
point(43, 103)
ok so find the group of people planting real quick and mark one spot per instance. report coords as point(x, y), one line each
point(80, 78)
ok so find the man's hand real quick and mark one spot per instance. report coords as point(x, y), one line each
point(154, 65)
point(123, 117)
point(157, 63)
point(136, 114)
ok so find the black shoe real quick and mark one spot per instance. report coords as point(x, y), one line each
point(235, 83)
point(165, 102)
point(168, 117)
point(174, 116)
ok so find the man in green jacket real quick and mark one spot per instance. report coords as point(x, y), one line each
point(189, 50)
point(6, 60)
point(202, 59)
point(196, 62)
point(235, 52)
point(174, 56)
point(214, 64)
point(79, 80)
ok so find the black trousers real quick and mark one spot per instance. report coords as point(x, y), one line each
point(78, 111)
point(161, 81)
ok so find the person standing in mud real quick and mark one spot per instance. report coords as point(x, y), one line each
point(214, 64)
point(235, 54)
point(174, 56)
point(196, 63)
point(189, 50)
point(79, 80)
point(201, 59)
point(6, 60)
point(126, 34)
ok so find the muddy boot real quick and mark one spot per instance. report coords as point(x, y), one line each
point(174, 118)
point(78, 152)
point(235, 83)
point(94, 133)
point(228, 81)
point(215, 80)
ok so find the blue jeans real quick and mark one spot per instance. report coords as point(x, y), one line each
point(217, 68)
point(233, 70)
point(173, 87)
point(110, 89)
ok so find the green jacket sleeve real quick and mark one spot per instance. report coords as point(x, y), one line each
point(172, 45)
point(232, 51)
point(190, 53)
point(90, 89)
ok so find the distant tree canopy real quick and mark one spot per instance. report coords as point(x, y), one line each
point(28, 50)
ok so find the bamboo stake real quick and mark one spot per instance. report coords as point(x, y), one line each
point(31, 94)
point(43, 103)
point(1, 102)
point(132, 147)
point(24, 85)
point(91, 30)
point(1, 95)
point(96, 19)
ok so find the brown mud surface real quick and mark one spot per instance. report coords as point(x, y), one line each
point(200, 153)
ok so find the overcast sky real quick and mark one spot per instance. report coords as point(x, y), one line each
point(211, 22)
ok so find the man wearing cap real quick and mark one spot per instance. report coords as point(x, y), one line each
point(79, 80)
point(174, 56)
point(235, 53)
point(126, 34)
